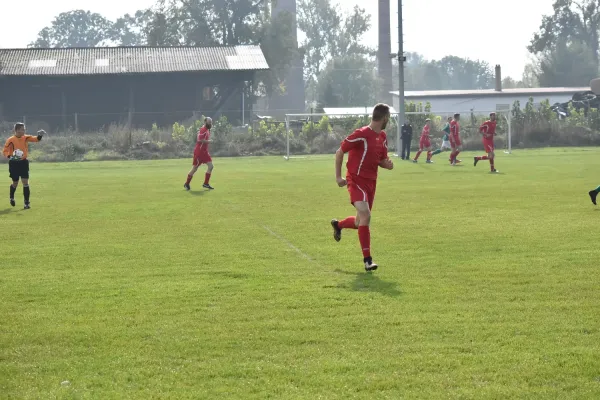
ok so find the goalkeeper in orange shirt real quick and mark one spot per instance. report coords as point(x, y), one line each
point(16, 150)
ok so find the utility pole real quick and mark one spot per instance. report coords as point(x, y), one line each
point(401, 59)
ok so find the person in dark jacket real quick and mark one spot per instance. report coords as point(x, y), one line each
point(406, 136)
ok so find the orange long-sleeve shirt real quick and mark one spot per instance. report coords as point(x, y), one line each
point(13, 143)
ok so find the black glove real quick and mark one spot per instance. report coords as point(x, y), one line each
point(40, 134)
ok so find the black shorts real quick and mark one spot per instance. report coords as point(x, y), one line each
point(18, 169)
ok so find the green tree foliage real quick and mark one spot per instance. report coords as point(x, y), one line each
point(449, 73)
point(572, 21)
point(76, 28)
point(568, 44)
point(567, 64)
point(329, 34)
point(348, 81)
point(132, 30)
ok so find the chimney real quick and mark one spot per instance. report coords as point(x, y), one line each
point(498, 79)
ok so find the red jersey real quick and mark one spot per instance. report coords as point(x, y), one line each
point(425, 131)
point(202, 148)
point(365, 149)
point(454, 128)
point(488, 129)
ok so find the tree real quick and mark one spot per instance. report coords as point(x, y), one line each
point(278, 43)
point(162, 30)
point(330, 34)
point(461, 73)
point(348, 81)
point(131, 30)
point(449, 73)
point(76, 28)
point(572, 21)
point(568, 64)
point(530, 76)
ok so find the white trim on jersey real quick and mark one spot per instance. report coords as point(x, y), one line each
point(364, 140)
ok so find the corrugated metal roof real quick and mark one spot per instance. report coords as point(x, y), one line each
point(130, 60)
point(491, 92)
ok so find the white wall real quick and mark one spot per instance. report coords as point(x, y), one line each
point(448, 104)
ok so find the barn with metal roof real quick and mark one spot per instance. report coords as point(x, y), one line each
point(86, 88)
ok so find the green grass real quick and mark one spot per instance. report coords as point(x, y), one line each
point(126, 286)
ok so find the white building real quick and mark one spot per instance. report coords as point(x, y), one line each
point(334, 112)
point(451, 101)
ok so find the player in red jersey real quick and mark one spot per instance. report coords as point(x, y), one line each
point(425, 142)
point(367, 151)
point(455, 141)
point(488, 130)
point(201, 155)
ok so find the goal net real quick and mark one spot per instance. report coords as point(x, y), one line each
point(312, 134)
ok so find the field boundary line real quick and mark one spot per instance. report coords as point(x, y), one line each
point(288, 243)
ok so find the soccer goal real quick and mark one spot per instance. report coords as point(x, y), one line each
point(311, 134)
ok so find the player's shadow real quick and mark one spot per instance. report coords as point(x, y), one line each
point(369, 282)
point(5, 211)
point(198, 193)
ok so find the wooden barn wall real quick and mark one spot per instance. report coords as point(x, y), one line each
point(95, 102)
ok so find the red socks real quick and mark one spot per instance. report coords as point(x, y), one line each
point(479, 158)
point(364, 234)
point(347, 223)
point(452, 157)
point(418, 154)
point(428, 155)
point(364, 237)
point(492, 164)
point(206, 178)
point(189, 179)
point(456, 155)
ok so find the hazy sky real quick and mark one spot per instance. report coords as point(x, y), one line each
point(494, 31)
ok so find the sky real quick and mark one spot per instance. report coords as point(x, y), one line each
point(488, 30)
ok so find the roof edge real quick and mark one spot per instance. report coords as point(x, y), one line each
point(125, 47)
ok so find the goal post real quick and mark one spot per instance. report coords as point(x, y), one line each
point(321, 133)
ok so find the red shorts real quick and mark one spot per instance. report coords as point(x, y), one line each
point(200, 159)
point(424, 142)
point(361, 189)
point(455, 141)
point(488, 146)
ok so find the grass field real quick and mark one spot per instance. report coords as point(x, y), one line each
point(119, 284)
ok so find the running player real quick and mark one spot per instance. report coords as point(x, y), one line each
point(16, 150)
point(445, 139)
point(455, 141)
point(367, 151)
point(425, 142)
point(202, 156)
point(488, 130)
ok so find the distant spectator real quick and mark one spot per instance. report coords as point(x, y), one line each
point(406, 136)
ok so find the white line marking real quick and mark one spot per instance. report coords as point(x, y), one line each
point(288, 243)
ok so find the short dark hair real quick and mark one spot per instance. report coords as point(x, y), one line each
point(456, 115)
point(380, 111)
point(19, 125)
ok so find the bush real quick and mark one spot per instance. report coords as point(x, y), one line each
point(532, 126)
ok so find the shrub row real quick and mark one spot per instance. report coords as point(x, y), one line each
point(532, 126)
